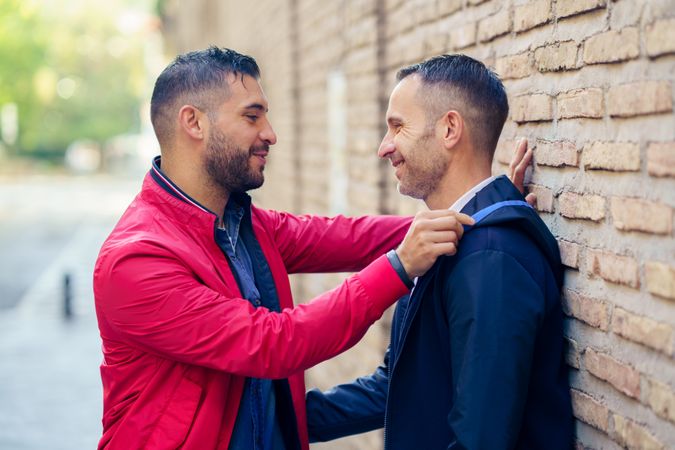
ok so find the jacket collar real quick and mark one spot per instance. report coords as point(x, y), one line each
point(160, 191)
point(498, 190)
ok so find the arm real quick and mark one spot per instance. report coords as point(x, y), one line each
point(156, 304)
point(493, 326)
point(339, 244)
point(351, 408)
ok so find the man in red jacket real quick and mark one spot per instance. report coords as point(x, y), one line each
point(203, 347)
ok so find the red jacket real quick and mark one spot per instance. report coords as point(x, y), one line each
point(178, 339)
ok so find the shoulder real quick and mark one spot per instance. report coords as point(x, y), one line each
point(491, 257)
point(141, 231)
point(511, 241)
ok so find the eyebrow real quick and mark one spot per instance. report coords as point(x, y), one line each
point(257, 106)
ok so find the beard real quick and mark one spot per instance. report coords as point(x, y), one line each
point(424, 167)
point(227, 164)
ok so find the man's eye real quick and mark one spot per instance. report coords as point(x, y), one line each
point(251, 117)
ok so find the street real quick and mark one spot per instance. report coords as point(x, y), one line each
point(50, 226)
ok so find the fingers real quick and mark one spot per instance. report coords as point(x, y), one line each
point(522, 165)
point(432, 233)
point(445, 227)
point(440, 237)
point(464, 219)
point(434, 214)
point(521, 149)
point(521, 159)
point(446, 248)
point(531, 199)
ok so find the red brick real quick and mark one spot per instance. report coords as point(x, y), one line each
point(570, 7)
point(661, 159)
point(446, 7)
point(569, 252)
point(504, 151)
point(572, 354)
point(615, 156)
point(612, 46)
point(532, 108)
point(589, 410)
point(463, 36)
point(531, 14)
point(660, 37)
point(614, 268)
point(643, 97)
point(632, 214)
point(622, 376)
point(643, 330)
point(514, 66)
point(660, 279)
point(582, 206)
point(424, 12)
point(556, 153)
point(581, 103)
point(634, 436)
point(590, 311)
point(544, 197)
point(661, 399)
point(494, 25)
point(555, 57)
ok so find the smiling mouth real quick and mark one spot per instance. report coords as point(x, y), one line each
point(261, 156)
point(397, 165)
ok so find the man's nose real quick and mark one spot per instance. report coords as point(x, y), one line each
point(268, 135)
point(386, 147)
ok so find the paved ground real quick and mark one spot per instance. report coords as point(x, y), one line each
point(50, 391)
point(50, 394)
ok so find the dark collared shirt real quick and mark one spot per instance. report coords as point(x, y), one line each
point(256, 426)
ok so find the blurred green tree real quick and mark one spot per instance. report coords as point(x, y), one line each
point(75, 70)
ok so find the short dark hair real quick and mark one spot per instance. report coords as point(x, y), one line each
point(192, 77)
point(462, 83)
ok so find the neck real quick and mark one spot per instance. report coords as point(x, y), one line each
point(461, 176)
point(192, 179)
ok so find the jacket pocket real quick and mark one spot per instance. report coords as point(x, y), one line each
point(174, 424)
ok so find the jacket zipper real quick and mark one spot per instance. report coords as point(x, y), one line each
point(396, 357)
point(393, 366)
point(386, 403)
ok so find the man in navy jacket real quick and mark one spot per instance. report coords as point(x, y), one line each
point(476, 355)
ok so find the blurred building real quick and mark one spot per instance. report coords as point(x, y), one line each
point(590, 85)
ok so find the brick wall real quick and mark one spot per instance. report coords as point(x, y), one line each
point(590, 84)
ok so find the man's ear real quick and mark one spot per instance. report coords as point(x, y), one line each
point(452, 127)
point(192, 121)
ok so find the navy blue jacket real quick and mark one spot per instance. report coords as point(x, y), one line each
point(476, 359)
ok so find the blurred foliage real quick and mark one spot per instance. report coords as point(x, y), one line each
point(75, 69)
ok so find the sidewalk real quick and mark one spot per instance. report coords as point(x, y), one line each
point(49, 380)
point(50, 388)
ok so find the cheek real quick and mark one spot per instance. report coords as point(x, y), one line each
point(402, 144)
point(407, 140)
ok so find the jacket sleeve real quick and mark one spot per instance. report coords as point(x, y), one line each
point(157, 304)
point(348, 409)
point(493, 309)
point(312, 244)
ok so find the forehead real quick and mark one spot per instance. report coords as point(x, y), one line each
point(244, 91)
point(404, 100)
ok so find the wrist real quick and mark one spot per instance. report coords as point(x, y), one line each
point(396, 263)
